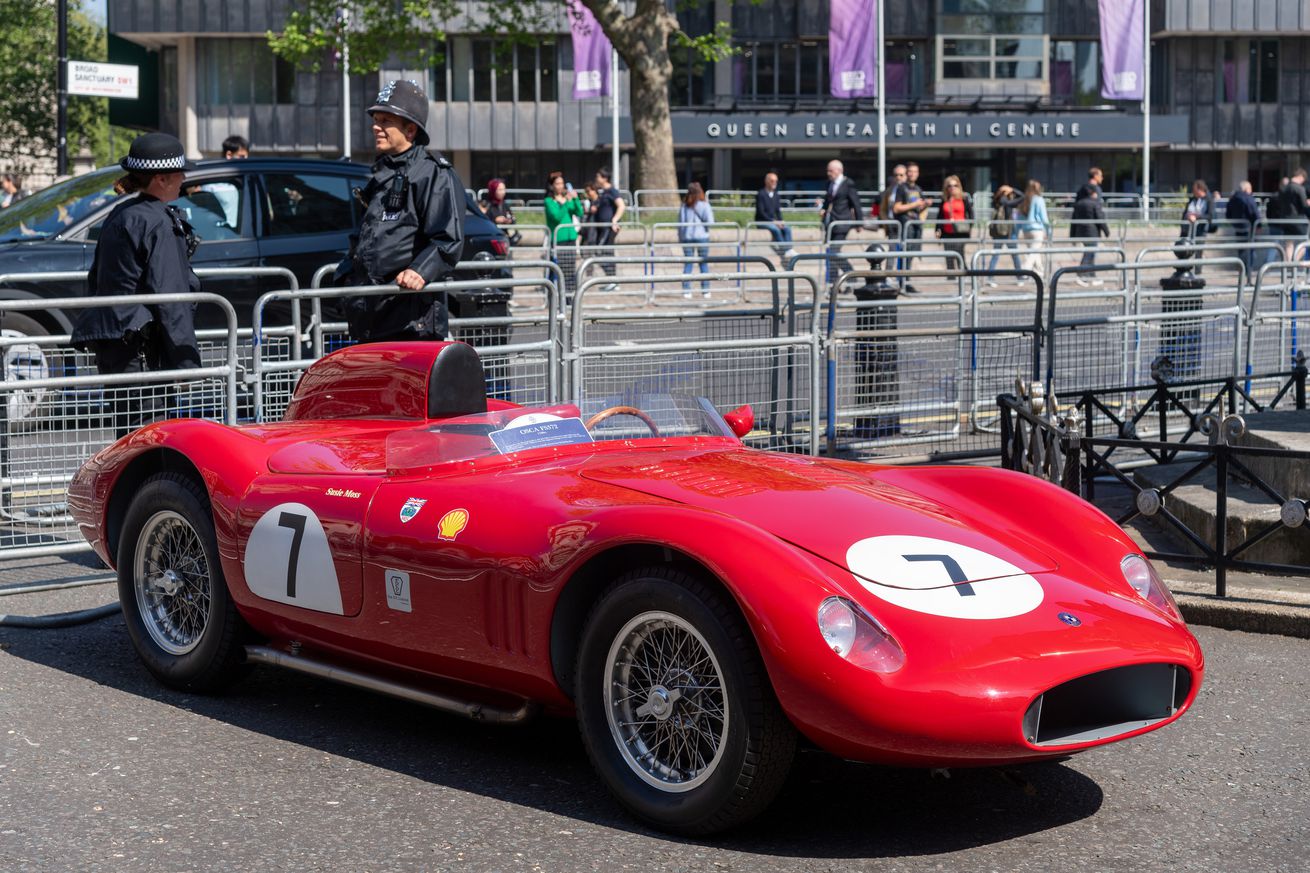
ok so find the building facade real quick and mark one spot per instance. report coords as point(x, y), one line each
point(992, 90)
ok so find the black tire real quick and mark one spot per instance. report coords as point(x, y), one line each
point(752, 744)
point(190, 637)
point(27, 410)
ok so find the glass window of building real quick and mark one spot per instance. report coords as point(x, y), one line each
point(461, 70)
point(242, 72)
point(1249, 71)
point(991, 39)
point(1076, 72)
point(440, 59)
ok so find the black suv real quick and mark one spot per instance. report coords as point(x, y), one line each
point(273, 212)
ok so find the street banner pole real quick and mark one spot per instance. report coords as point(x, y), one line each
point(1146, 113)
point(61, 121)
point(882, 102)
point(614, 118)
point(345, 85)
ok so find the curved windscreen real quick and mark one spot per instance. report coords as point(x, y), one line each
point(508, 431)
point(53, 210)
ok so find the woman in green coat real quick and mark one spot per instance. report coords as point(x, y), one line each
point(563, 212)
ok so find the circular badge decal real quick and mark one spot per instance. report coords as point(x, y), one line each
point(940, 577)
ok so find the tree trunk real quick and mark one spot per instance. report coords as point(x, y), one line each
point(643, 42)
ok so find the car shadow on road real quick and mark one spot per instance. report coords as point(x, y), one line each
point(830, 808)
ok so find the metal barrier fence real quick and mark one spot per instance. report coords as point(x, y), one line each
point(615, 358)
point(37, 460)
point(905, 374)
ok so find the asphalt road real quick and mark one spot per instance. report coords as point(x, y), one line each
point(102, 769)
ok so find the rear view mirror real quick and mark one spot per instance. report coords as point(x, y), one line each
point(741, 420)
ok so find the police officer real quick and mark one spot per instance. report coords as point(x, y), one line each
point(144, 247)
point(413, 230)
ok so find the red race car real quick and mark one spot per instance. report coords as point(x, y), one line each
point(698, 604)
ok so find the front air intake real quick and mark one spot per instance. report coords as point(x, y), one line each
point(1106, 704)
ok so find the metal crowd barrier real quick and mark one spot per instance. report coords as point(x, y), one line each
point(36, 464)
point(776, 373)
point(872, 407)
point(498, 358)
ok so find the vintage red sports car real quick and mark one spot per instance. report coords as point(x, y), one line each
point(698, 604)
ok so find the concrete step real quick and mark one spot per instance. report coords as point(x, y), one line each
point(1280, 430)
point(1249, 511)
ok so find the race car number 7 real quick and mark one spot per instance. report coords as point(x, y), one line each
point(288, 559)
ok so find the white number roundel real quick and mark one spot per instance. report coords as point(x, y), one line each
point(288, 560)
point(932, 576)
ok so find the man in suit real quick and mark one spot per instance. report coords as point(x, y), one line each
point(840, 204)
point(768, 212)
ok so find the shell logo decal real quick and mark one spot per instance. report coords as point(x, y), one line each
point(452, 523)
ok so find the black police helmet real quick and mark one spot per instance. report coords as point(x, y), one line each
point(404, 99)
point(156, 153)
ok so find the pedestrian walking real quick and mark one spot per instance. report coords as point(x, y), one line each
point(1002, 229)
point(588, 233)
point(1197, 215)
point(841, 204)
point(412, 233)
point(694, 218)
point(909, 207)
point(1033, 226)
point(768, 212)
point(609, 212)
point(564, 211)
point(1244, 212)
point(1088, 225)
point(955, 218)
point(1288, 212)
point(495, 207)
point(144, 247)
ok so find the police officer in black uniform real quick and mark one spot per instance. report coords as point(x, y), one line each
point(144, 247)
point(413, 229)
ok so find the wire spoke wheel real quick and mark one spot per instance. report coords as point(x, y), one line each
point(172, 582)
point(665, 701)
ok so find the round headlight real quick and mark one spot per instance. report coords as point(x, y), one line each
point(855, 635)
point(1141, 576)
point(837, 624)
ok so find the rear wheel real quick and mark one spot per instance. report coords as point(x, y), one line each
point(25, 361)
point(675, 707)
point(175, 601)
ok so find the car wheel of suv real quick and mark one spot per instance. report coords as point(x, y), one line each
point(175, 600)
point(24, 361)
point(675, 708)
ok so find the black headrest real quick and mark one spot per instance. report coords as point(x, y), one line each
point(457, 385)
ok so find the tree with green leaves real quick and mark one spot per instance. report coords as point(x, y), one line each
point(384, 29)
point(29, 85)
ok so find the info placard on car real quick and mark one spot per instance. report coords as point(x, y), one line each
point(523, 434)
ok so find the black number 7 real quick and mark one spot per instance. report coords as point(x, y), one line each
point(297, 524)
point(958, 578)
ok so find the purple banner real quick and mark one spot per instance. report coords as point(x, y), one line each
point(591, 54)
point(1122, 63)
point(852, 54)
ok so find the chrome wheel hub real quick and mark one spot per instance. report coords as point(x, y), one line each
point(666, 702)
point(172, 582)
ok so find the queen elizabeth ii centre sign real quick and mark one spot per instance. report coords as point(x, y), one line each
point(859, 130)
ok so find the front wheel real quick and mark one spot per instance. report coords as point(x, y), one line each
point(175, 601)
point(675, 707)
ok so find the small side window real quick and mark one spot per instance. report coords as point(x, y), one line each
point(214, 209)
point(300, 203)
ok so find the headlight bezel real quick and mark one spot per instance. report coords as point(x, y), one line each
point(852, 634)
point(1146, 583)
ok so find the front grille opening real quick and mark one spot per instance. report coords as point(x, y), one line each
point(1106, 704)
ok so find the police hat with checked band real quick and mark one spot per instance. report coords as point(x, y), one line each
point(404, 99)
point(156, 153)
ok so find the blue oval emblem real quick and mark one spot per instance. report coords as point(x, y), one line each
point(1070, 619)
